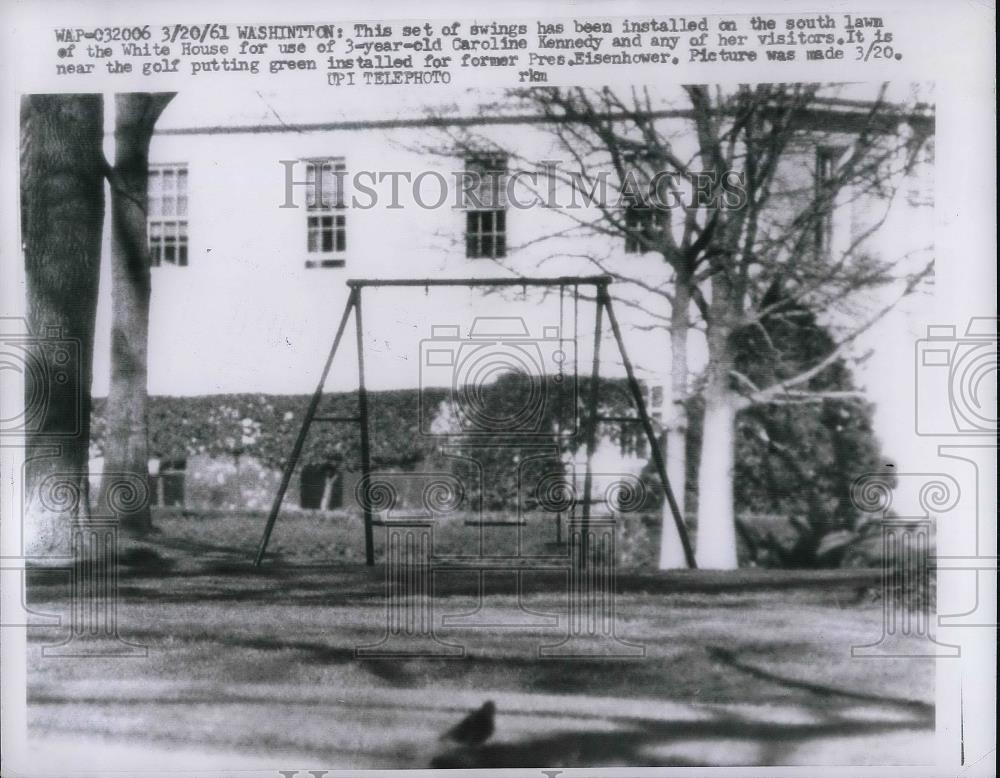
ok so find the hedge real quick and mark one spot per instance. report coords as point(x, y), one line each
point(265, 425)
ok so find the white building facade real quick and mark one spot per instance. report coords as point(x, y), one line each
point(251, 259)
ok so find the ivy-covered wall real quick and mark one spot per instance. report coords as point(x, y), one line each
point(226, 437)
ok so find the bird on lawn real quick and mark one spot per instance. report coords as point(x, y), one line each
point(475, 729)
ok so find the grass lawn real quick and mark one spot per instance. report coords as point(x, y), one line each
point(752, 667)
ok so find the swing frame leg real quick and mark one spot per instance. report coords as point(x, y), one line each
point(293, 458)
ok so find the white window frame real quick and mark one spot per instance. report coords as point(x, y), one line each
point(326, 214)
point(167, 225)
point(828, 161)
point(488, 242)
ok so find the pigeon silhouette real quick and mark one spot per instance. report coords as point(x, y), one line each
point(475, 729)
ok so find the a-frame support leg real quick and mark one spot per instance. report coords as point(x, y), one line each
point(592, 416)
point(366, 454)
point(604, 299)
point(293, 458)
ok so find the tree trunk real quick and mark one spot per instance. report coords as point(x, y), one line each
point(127, 440)
point(671, 550)
point(62, 215)
point(716, 544)
point(328, 479)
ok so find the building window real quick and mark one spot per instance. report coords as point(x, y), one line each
point(654, 404)
point(485, 234)
point(167, 482)
point(167, 210)
point(326, 218)
point(321, 487)
point(485, 207)
point(826, 168)
point(640, 228)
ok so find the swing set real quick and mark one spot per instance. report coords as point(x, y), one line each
point(603, 306)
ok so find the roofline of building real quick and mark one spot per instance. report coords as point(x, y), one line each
point(834, 116)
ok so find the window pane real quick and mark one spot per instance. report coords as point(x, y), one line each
point(485, 233)
point(331, 187)
point(326, 231)
point(155, 191)
point(167, 197)
point(311, 185)
point(488, 173)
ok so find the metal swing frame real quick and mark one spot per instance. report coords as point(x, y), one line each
point(603, 303)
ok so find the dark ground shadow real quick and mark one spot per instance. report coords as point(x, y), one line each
point(727, 657)
point(629, 746)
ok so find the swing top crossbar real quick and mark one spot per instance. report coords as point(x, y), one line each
point(359, 283)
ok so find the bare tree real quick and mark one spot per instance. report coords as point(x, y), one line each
point(725, 186)
point(62, 213)
point(127, 439)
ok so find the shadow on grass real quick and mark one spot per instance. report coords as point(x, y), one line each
point(632, 746)
point(727, 657)
point(208, 573)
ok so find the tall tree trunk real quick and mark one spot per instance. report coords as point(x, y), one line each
point(671, 550)
point(62, 215)
point(716, 544)
point(127, 440)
